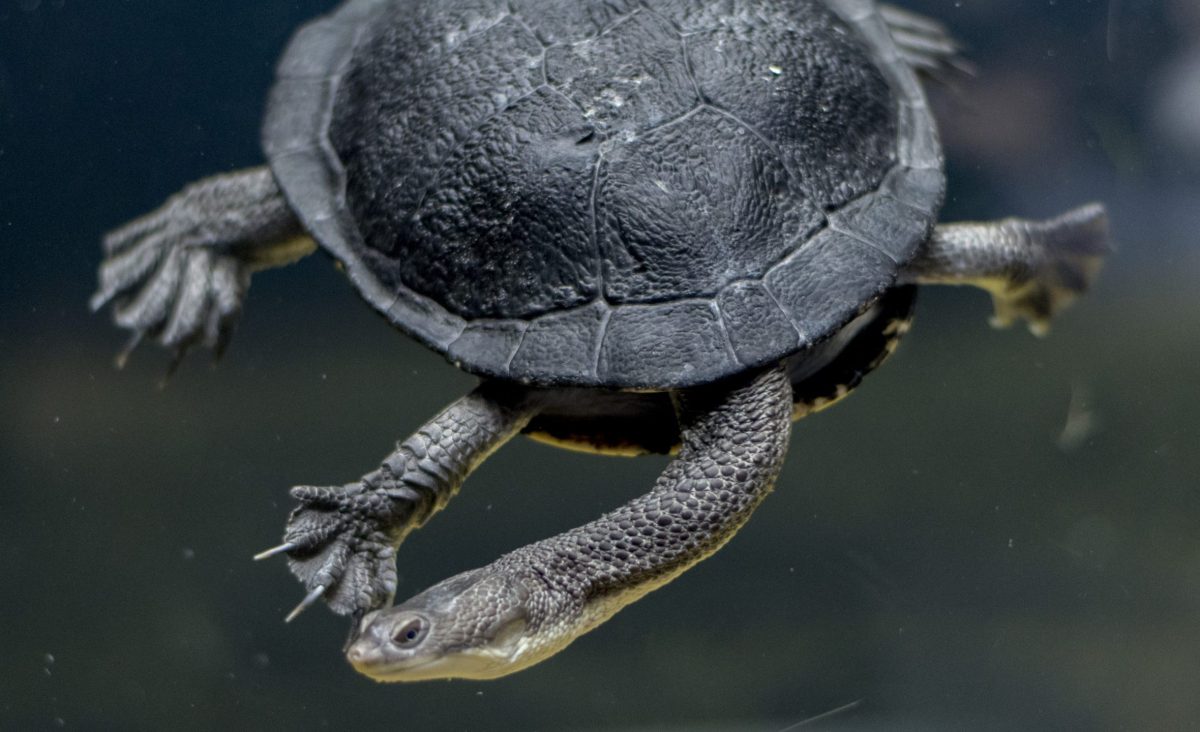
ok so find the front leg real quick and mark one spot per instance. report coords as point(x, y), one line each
point(1033, 269)
point(341, 541)
point(531, 603)
point(179, 274)
point(925, 44)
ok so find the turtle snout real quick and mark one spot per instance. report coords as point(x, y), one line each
point(364, 652)
point(367, 647)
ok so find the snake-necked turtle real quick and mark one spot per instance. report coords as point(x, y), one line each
point(648, 225)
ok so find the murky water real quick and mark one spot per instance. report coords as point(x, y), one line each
point(995, 532)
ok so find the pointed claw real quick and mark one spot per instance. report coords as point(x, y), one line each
point(134, 341)
point(306, 603)
point(172, 366)
point(100, 299)
point(275, 551)
point(355, 628)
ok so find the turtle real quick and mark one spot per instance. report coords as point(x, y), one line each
point(647, 226)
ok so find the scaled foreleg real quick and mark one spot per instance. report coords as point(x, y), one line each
point(341, 541)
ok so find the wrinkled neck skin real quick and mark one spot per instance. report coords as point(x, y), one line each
point(533, 602)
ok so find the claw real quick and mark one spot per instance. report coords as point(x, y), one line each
point(355, 628)
point(275, 551)
point(172, 366)
point(122, 358)
point(179, 275)
point(306, 603)
point(342, 540)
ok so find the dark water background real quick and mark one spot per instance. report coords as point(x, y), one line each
point(938, 554)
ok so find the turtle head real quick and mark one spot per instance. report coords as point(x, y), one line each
point(471, 626)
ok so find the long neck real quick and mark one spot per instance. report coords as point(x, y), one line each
point(735, 437)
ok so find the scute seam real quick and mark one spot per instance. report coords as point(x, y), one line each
point(365, 280)
point(603, 334)
point(715, 306)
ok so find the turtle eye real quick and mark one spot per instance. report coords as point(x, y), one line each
point(410, 633)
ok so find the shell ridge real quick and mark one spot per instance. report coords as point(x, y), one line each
point(324, 203)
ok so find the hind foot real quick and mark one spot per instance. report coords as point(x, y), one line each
point(1033, 269)
point(1067, 254)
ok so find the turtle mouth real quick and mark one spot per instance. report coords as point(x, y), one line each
point(375, 655)
point(370, 662)
point(462, 665)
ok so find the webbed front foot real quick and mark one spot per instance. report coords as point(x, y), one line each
point(179, 274)
point(341, 543)
point(161, 289)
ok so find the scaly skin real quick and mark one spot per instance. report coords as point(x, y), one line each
point(531, 603)
point(341, 541)
point(179, 274)
point(1033, 269)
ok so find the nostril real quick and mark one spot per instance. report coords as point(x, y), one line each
point(357, 654)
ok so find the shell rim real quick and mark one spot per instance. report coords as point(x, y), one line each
point(296, 143)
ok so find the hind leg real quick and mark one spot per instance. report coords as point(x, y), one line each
point(179, 274)
point(1033, 269)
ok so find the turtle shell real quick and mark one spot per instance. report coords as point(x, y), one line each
point(642, 194)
